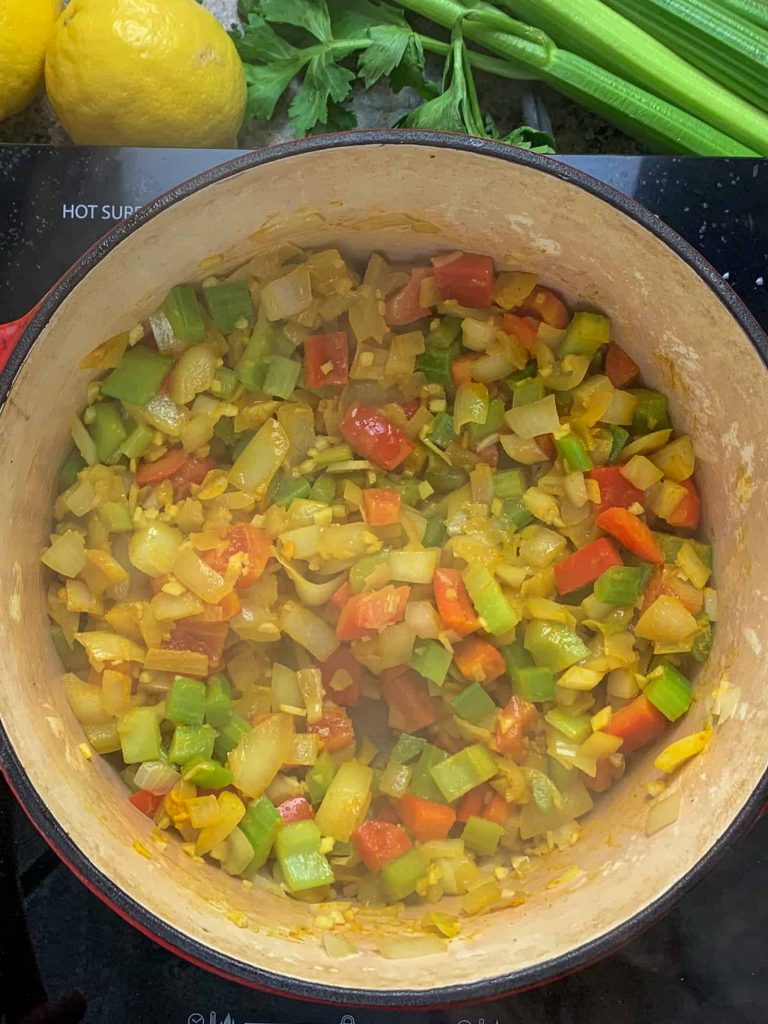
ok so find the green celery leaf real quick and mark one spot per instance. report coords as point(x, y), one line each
point(258, 43)
point(311, 15)
point(323, 80)
point(340, 119)
point(389, 47)
point(267, 83)
point(530, 138)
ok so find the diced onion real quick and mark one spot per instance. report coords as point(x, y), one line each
point(156, 777)
point(621, 409)
point(337, 947)
point(66, 555)
point(413, 566)
point(491, 367)
point(405, 948)
point(194, 372)
point(287, 296)
point(641, 472)
point(423, 619)
point(261, 753)
point(309, 630)
point(311, 594)
point(261, 458)
point(529, 421)
point(525, 451)
point(662, 813)
point(540, 547)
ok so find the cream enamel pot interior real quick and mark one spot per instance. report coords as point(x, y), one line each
point(407, 195)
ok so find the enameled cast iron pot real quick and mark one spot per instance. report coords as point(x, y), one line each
point(407, 195)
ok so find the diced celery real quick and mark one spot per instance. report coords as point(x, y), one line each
point(402, 875)
point(281, 377)
point(702, 640)
point(573, 453)
point(457, 774)
point(107, 429)
point(323, 489)
point(139, 732)
point(586, 333)
point(69, 469)
point(442, 432)
point(482, 836)
point(228, 303)
point(443, 333)
point(619, 438)
point(225, 384)
point(527, 391)
point(297, 849)
point(260, 825)
point(218, 701)
point(320, 776)
point(493, 423)
point(515, 514)
point(185, 704)
point(553, 645)
point(288, 490)
point(431, 660)
point(137, 442)
point(534, 683)
point(395, 779)
point(191, 741)
point(509, 483)
point(407, 748)
point(183, 313)
point(474, 705)
point(619, 585)
point(205, 772)
point(116, 516)
point(422, 783)
point(670, 547)
point(669, 691)
point(576, 727)
point(138, 376)
point(230, 734)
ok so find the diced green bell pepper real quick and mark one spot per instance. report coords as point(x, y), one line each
point(69, 469)
point(191, 741)
point(489, 601)
point(402, 875)
point(183, 313)
point(218, 701)
point(230, 735)
point(261, 824)
point(670, 547)
point(185, 704)
point(494, 421)
point(573, 453)
point(534, 683)
point(468, 768)
point(474, 705)
point(422, 783)
point(138, 376)
point(407, 748)
point(225, 384)
point(435, 363)
point(297, 849)
point(619, 585)
point(482, 836)
point(575, 727)
point(431, 660)
point(139, 732)
point(443, 333)
point(281, 377)
point(74, 659)
point(229, 303)
point(323, 489)
point(619, 438)
point(205, 772)
point(669, 691)
point(515, 514)
point(509, 483)
point(515, 657)
point(527, 372)
point(362, 569)
point(435, 534)
point(442, 431)
point(107, 429)
point(320, 776)
point(288, 490)
point(443, 478)
point(586, 333)
point(527, 391)
point(553, 645)
point(651, 412)
point(137, 442)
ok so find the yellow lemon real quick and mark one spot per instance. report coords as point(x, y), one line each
point(25, 28)
point(144, 73)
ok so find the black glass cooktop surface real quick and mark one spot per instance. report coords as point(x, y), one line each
point(65, 958)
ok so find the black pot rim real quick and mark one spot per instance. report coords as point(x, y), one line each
point(507, 982)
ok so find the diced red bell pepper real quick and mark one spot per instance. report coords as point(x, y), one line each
point(479, 660)
point(202, 637)
point(632, 533)
point(603, 778)
point(461, 370)
point(638, 724)
point(162, 468)
point(388, 813)
point(411, 408)
point(453, 603)
point(469, 279)
point(379, 842)
point(425, 819)
point(365, 614)
point(544, 304)
point(489, 454)
point(496, 810)
point(193, 471)
point(407, 695)
point(246, 539)
point(585, 565)
point(297, 808)
point(523, 328)
point(145, 802)
point(515, 720)
point(375, 437)
point(688, 513)
point(620, 369)
point(342, 595)
point(344, 660)
point(404, 306)
point(615, 490)
point(335, 728)
point(326, 359)
point(472, 803)
point(381, 506)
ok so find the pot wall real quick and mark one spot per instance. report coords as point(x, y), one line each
point(406, 201)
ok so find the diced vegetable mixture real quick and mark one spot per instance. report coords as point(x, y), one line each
point(372, 577)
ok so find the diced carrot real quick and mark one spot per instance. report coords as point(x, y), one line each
point(425, 819)
point(514, 721)
point(632, 533)
point(496, 810)
point(523, 328)
point(335, 728)
point(379, 842)
point(404, 306)
point(638, 724)
point(544, 304)
point(461, 370)
point(479, 660)
point(688, 513)
point(367, 613)
point(472, 803)
point(585, 565)
point(381, 506)
point(342, 595)
point(620, 369)
point(145, 802)
point(453, 603)
point(407, 695)
point(162, 468)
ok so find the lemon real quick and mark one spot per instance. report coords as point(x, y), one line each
point(25, 28)
point(144, 73)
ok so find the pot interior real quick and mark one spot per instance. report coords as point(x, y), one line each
point(406, 201)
